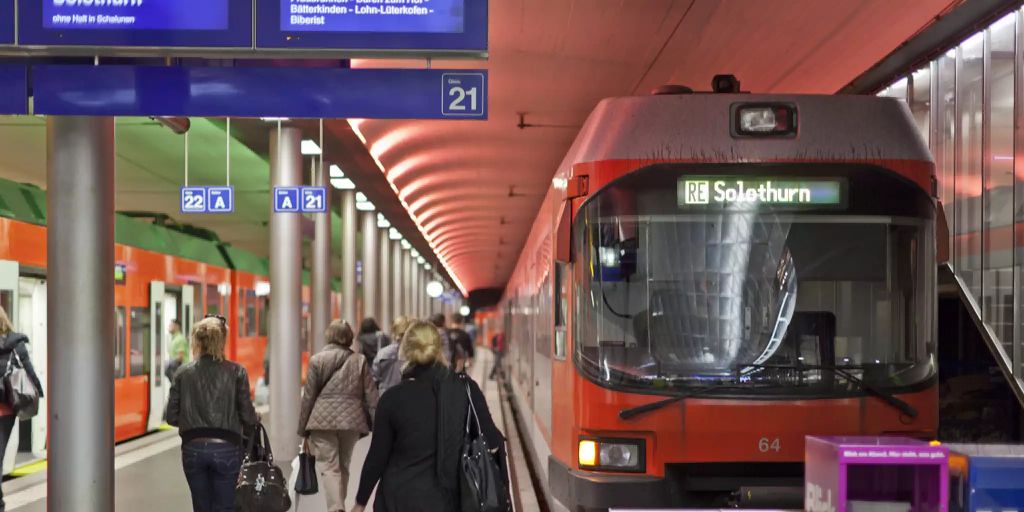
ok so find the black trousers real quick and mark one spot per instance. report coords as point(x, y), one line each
point(6, 427)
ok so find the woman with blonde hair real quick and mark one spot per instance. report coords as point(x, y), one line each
point(418, 432)
point(387, 366)
point(13, 345)
point(338, 403)
point(211, 407)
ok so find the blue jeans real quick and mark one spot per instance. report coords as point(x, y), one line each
point(212, 471)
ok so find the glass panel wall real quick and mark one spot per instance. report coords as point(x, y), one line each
point(966, 104)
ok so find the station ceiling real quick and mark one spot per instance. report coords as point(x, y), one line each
point(474, 188)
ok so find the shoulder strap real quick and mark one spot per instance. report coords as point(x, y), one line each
point(337, 368)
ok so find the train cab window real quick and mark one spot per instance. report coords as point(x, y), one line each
point(213, 300)
point(250, 313)
point(561, 307)
point(140, 342)
point(763, 298)
point(119, 343)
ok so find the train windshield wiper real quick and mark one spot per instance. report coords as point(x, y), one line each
point(633, 412)
point(883, 395)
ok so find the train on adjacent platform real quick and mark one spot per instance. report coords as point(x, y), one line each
point(163, 272)
point(711, 278)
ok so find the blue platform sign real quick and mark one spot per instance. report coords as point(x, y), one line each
point(464, 94)
point(193, 200)
point(221, 199)
point(286, 200)
point(113, 90)
point(7, 22)
point(136, 23)
point(395, 25)
point(314, 199)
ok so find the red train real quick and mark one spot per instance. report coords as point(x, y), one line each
point(713, 277)
point(162, 273)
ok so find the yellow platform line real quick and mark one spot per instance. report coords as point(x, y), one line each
point(30, 468)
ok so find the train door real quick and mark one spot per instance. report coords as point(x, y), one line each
point(157, 335)
point(9, 288)
point(31, 434)
point(178, 304)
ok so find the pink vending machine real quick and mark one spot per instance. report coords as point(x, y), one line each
point(875, 474)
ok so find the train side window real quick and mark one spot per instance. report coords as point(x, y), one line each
point(212, 300)
point(264, 314)
point(140, 341)
point(241, 311)
point(119, 343)
point(561, 308)
point(250, 313)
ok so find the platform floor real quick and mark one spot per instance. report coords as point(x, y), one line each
point(149, 476)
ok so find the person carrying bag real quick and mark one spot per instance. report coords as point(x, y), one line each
point(338, 403)
point(22, 389)
point(482, 483)
point(261, 484)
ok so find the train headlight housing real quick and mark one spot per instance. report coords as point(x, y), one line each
point(615, 455)
point(763, 120)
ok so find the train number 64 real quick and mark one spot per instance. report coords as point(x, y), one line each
point(764, 445)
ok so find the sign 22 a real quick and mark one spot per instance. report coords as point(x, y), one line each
point(463, 95)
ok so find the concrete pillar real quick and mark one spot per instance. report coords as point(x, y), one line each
point(79, 306)
point(407, 283)
point(384, 271)
point(348, 256)
point(322, 275)
point(421, 295)
point(286, 297)
point(371, 281)
point(397, 275)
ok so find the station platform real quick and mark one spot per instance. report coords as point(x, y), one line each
point(149, 475)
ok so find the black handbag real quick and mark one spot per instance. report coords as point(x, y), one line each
point(261, 485)
point(22, 394)
point(305, 481)
point(481, 483)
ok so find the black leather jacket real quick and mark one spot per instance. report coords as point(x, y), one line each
point(16, 342)
point(211, 398)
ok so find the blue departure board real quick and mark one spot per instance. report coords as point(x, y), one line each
point(420, 16)
point(136, 14)
point(136, 23)
point(373, 25)
point(6, 22)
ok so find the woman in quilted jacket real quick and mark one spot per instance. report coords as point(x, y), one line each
point(338, 404)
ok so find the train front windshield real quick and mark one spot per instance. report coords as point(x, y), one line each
point(755, 285)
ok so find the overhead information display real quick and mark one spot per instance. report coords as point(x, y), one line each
point(425, 16)
point(136, 14)
point(396, 26)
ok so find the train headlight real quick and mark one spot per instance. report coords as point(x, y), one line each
point(763, 120)
point(617, 455)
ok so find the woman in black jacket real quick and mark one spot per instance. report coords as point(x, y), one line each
point(211, 406)
point(13, 348)
point(418, 432)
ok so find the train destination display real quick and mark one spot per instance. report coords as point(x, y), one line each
point(136, 14)
point(743, 191)
point(424, 16)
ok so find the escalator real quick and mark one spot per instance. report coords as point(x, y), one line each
point(980, 400)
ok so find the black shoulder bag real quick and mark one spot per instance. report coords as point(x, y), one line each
point(261, 485)
point(481, 484)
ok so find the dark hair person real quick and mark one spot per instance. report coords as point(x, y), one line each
point(418, 432)
point(12, 344)
point(338, 404)
point(211, 407)
point(371, 338)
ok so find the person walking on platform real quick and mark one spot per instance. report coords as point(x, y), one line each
point(498, 347)
point(13, 345)
point(458, 336)
point(387, 366)
point(371, 339)
point(418, 432)
point(179, 349)
point(211, 407)
point(453, 352)
point(338, 403)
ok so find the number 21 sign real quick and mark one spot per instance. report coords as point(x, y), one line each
point(463, 95)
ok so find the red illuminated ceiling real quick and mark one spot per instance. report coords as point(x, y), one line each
point(474, 187)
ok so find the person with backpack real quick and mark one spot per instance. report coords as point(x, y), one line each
point(371, 338)
point(13, 350)
point(387, 366)
point(338, 404)
point(419, 432)
point(210, 405)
